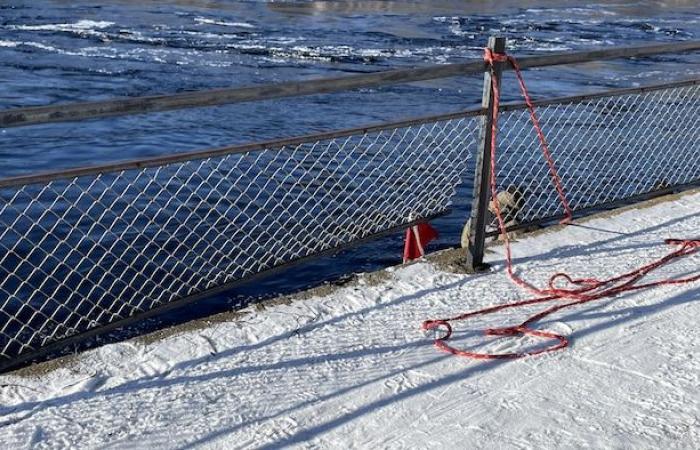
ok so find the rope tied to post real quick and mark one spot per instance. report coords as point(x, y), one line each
point(563, 288)
point(490, 58)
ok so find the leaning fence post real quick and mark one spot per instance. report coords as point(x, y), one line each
point(480, 199)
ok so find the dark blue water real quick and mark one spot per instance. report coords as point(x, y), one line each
point(67, 51)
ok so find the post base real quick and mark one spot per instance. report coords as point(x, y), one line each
point(478, 268)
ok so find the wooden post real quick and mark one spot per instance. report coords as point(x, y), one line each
point(480, 199)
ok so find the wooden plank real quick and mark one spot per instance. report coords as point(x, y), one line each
point(139, 105)
point(637, 51)
point(482, 175)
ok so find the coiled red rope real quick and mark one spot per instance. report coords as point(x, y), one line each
point(566, 290)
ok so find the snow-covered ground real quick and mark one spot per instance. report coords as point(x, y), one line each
point(351, 369)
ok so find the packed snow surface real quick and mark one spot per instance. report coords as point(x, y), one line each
point(353, 370)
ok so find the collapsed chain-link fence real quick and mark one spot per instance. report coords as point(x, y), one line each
point(606, 149)
point(79, 253)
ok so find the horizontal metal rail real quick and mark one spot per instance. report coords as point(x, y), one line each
point(279, 143)
point(514, 106)
point(140, 105)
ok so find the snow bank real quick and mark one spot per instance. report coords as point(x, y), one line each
point(352, 370)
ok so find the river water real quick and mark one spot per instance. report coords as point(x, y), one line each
point(67, 51)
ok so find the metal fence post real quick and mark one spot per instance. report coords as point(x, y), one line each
point(480, 199)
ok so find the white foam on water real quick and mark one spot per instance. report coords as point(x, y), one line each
point(92, 28)
point(161, 56)
point(81, 25)
point(284, 39)
point(38, 45)
point(278, 53)
point(581, 11)
point(205, 35)
point(204, 20)
point(680, 21)
point(138, 37)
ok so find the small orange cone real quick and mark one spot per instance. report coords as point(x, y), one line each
point(417, 237)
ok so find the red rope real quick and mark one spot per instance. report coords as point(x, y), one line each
point(581, 290)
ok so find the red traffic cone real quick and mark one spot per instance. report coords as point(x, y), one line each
point(417, 237)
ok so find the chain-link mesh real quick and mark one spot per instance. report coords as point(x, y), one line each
point(80, 253)
point(605, 150)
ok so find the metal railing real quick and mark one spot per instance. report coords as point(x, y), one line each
point(86, 250)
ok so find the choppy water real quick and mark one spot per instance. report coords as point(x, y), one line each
point(66, 51)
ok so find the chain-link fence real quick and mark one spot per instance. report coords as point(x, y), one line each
point(82, 252)
point(606, 149)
